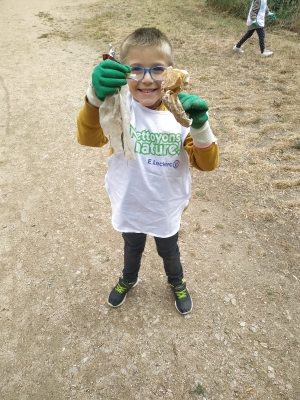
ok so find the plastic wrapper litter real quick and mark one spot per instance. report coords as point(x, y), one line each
point(115, 118)
point(175, 80)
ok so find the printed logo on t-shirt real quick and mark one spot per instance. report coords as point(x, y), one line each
point(156, 144)
point(174, 164)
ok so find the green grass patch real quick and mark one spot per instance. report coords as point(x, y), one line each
point(199, 390)
point(45, 16)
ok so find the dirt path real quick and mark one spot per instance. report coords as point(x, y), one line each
point(60, 255)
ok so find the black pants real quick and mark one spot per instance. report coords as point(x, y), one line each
point(261, 36)
point(167, 249)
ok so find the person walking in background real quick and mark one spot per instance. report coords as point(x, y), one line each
point(256, 22)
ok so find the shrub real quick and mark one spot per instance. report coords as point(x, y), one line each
point(288, 13)
point(237, 8)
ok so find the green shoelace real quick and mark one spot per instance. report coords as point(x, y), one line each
point(181, 295)
point(120, 289)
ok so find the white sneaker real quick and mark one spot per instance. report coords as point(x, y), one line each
point(238, 49)
point(266, 53)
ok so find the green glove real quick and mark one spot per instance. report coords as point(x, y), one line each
point(255, 23)
point(271, 15)
point(109, 76)
point(196, 108)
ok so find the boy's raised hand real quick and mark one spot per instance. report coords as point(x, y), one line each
point(272, 15)
point(109, 76)
point(196, 108)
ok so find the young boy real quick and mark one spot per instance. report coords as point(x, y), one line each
point(148, 194)
point(256, 22)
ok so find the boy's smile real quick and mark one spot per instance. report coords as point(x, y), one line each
point(147, 91)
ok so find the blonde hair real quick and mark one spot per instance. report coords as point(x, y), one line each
point(150, 37)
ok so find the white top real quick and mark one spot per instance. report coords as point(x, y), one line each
point(148, 194)
point(262, 7)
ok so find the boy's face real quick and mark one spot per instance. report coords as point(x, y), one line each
point(147, 91)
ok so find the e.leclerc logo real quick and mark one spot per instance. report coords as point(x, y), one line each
point(174, 164)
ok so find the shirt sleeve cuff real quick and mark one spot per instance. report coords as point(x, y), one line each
point(203, 137)
point(91, 96)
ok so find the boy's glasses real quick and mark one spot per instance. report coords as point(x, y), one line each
point(156, 73)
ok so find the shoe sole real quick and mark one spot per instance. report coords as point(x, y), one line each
point(111, 305)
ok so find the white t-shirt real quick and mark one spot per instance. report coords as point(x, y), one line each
point(263, 8)
point(148, 194)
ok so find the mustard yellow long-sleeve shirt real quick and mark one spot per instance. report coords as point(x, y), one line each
point(90, 133)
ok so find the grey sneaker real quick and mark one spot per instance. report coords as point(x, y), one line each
point(118, 295)
point(238, 49)
point(266, 53)
point(183, 300)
